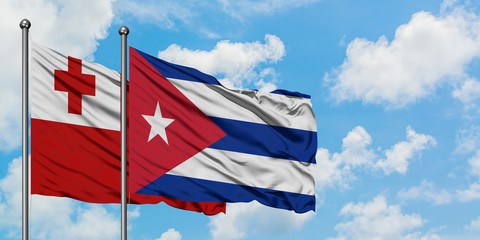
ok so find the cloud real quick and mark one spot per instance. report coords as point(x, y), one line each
point(202, 17)
point(241, 10)
point(91, 222)
point(337, 169)
point(470, 194)
point(73, 27)
point(413, 65)
point(398, 157)
point(244, 219)
point(471, 231)
point(52, 217)
point(170, 234)
point(355, 150)
point(134, 213)
point(474, 163)
point(166, 14)
point(331, 171)
point(468, 140)
point(448, 5)
point(420, 236)
point(11, 197)
point(425, 191)
point(468, 94)
point(378, 220)
point(244, 68)
point(473, 226)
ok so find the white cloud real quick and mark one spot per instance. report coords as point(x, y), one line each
point(91, 222)
point(468, 139)
point(468, 94)
point(473, 226)
point(134, 213)
point(236, 71)
point(161, 12)
point(197, 15)
point(425, 191)
point(471, 231)
point(470, 194)
point(420, 236)
point(268, 80)
point(331, 171)
point(448, 5)
point(337, 168)
point(11, 196)
point(411, 66)
point(244, 219)
point(474, 163)
point(73, 27)
point(52, 217)
point(378, 220)
point(357, 152)
point(170, 234)
point(243, 9)
point(202, 17)
point(398, 157)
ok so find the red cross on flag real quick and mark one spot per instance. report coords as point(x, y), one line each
point(75, 84)
point(75, 132)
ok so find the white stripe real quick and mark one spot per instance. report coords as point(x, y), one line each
point(249, 170)
point(101, 110)
point(250, 106)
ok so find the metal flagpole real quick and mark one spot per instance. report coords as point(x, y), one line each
point(123, 31)
point(25, 26)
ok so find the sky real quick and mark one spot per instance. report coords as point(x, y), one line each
point(395, 88)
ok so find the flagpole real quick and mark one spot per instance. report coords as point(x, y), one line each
point(123, 31)
point(25, 26)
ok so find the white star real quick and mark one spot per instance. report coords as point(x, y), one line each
point(158, 124)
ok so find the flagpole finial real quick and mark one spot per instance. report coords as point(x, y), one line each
point(25, 24)
point(123, 30)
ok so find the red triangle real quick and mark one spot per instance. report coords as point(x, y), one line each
point(191, 132)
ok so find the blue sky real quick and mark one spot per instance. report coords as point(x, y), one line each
point(395, 89)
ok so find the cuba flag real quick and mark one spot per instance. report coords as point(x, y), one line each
point(192, 139)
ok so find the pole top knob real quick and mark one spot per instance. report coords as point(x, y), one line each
point(25, 24)
point(123, 30)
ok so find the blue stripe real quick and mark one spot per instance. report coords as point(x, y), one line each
point(171, 70)
point(289, 93)
point(266, 140)
point(200, 190)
